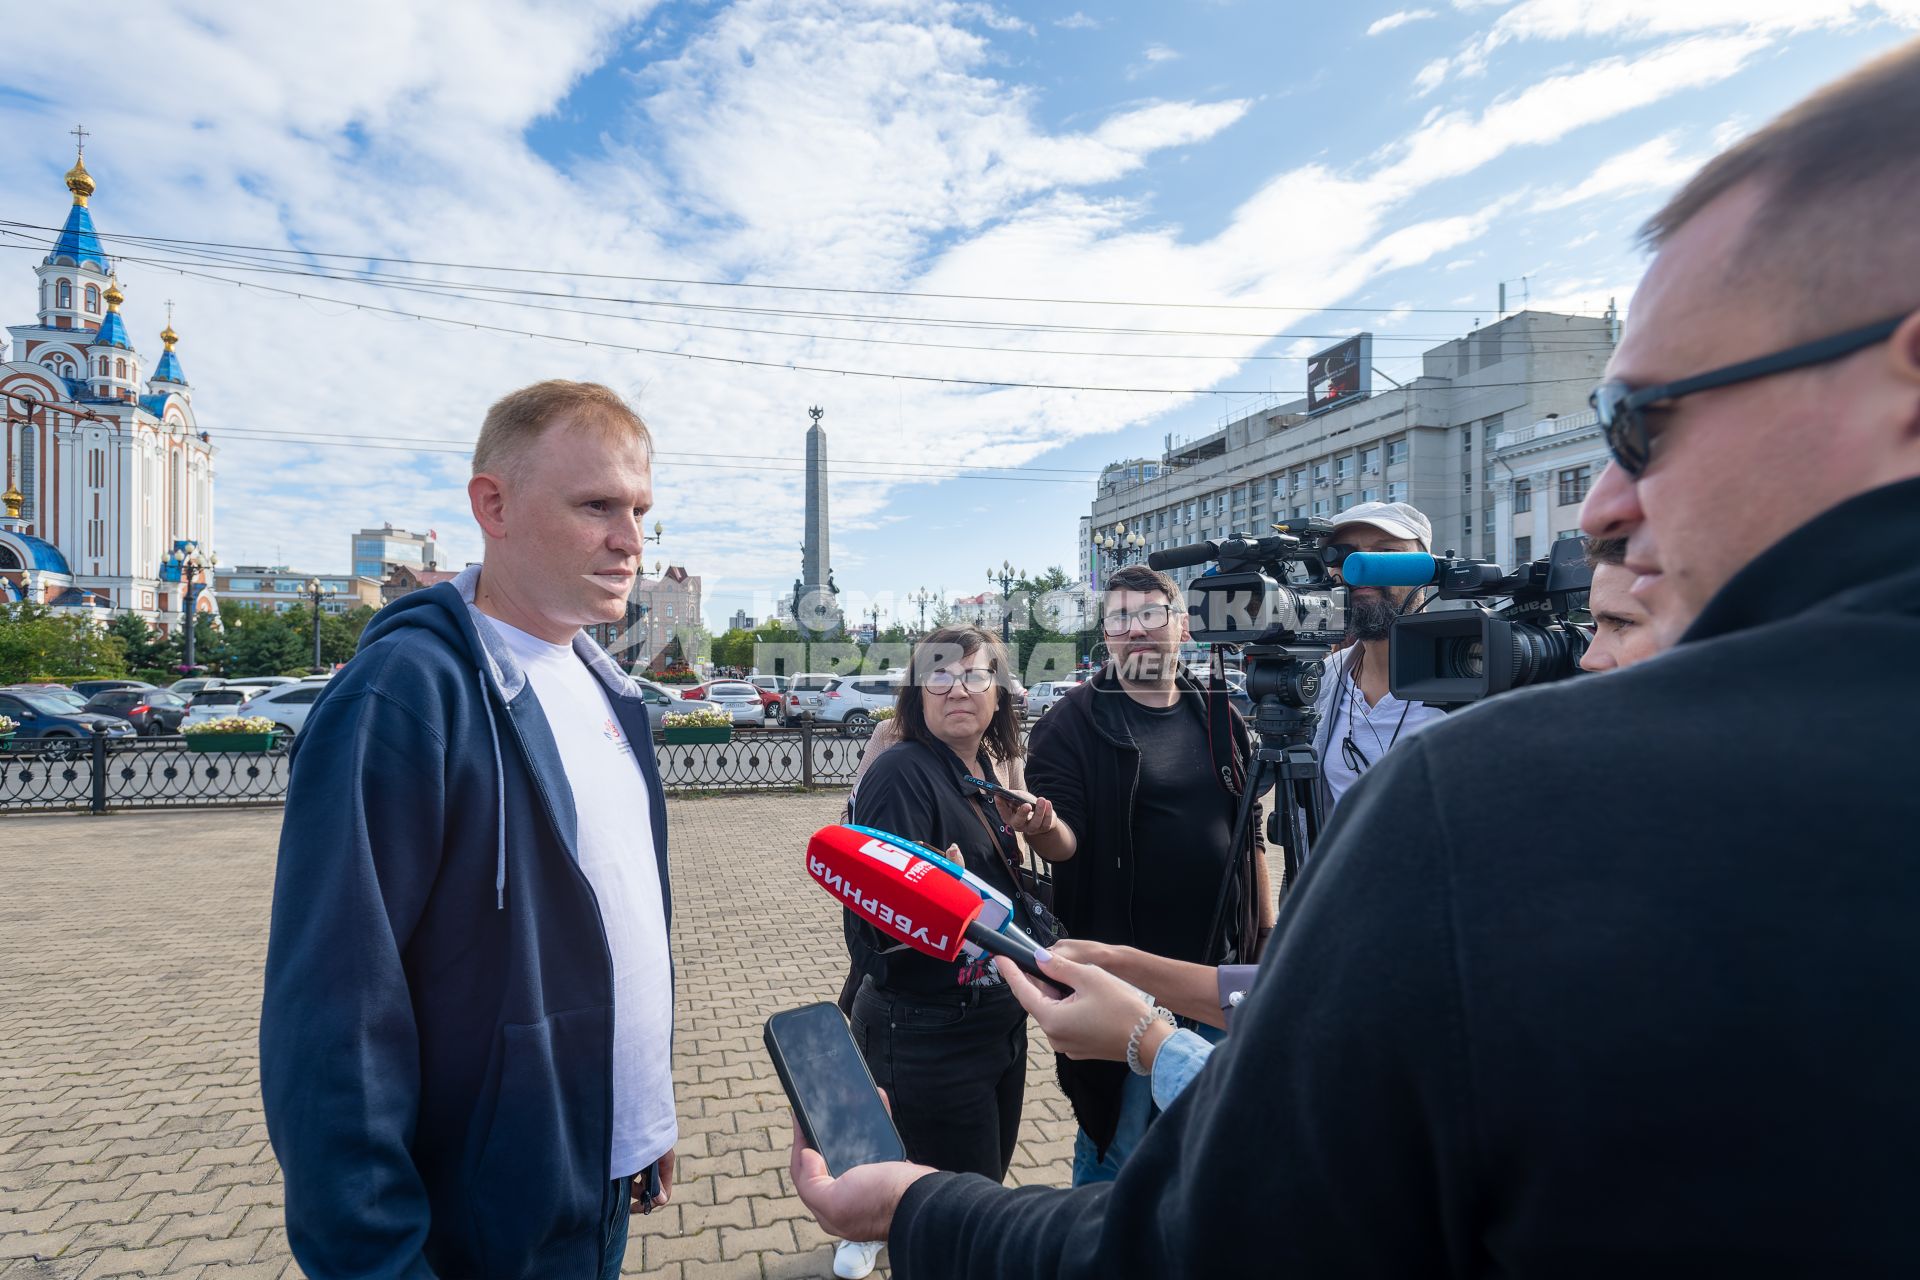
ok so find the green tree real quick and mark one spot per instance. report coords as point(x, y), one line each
point(37, 643)
point(733, 648)
point(145, 648)
point(340, 634)
point(262, 643)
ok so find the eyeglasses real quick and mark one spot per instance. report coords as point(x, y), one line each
point(1355, 758)
point(1151, 618)
point(1621, 409)
point(977, 680)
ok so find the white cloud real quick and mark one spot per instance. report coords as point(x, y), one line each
point(1661, 19)
point(1399, 19)
point(1654, 165)
point(1077, 21)
point(1160, 53)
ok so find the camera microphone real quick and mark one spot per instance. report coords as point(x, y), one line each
point(1183, 557)
point(1388, 569)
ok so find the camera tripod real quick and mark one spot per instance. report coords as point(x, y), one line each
point(1283, 687)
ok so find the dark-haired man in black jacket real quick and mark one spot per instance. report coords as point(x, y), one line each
point(1498, 1035)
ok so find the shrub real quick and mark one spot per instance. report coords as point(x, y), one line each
point(704, 718)
point(230, 724)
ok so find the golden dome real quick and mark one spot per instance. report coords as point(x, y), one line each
point(114, 296)
point(13, 499)
point(168, 336)
point(80, 182)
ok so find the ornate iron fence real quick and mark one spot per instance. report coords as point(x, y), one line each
point(82, 775)
point(93, 776)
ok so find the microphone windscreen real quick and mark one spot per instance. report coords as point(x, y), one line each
point(886, 884)
point(1387, 569)
point(1184, 557)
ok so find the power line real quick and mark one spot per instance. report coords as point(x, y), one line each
point(747, 284)
point(499, 295)
point(748, 362)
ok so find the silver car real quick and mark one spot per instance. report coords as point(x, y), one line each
point(661, 700)
point(738, 699)
point(219, 701)
point(806, 696)
point(1043, 695)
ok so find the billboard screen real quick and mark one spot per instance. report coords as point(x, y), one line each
point(1340, 374)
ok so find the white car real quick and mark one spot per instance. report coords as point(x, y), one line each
point(222, 699)
point(806, 695)
point(1042, 696)
point(286, 705)
point(852, 700)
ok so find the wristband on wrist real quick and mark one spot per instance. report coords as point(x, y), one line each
point(1153, 1014)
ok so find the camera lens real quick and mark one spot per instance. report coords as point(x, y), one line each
point(1546, 653)
point(1461, 658)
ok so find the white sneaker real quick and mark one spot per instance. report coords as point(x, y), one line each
point(854, 1259)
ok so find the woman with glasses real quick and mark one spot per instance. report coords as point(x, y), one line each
point(947, 1041)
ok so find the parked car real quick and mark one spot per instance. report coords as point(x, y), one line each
point(87, 688)
point(59, 691)
point(742, 701)
point(852, 700)
point(152, 712)
point(41, 715)
point(662, 699)
point(287, 705)
point(212, 704)
point(191, 685)
point(773, 691)
point(1042, 696)
point(806, 695)
point(265, 681)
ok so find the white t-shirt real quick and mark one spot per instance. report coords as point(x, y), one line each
point(615, 842)
point(1375, 730)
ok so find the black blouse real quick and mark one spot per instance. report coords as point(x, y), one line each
point(915, 790)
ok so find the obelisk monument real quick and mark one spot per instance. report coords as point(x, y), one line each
point(816, 611)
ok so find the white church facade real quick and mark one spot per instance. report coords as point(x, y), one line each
point(107, 473)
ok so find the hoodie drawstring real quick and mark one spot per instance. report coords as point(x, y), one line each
point(500, 787)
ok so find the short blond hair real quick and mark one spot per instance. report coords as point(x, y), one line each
point(518, 419)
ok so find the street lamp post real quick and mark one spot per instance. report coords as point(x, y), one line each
point(923, 598)
point(1006, 575)
point(316, 591)
point(874, 614)
point(1122, 547)
point(183, 566)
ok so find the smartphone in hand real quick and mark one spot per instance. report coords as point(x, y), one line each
point(833, 1095)
point(995, 789)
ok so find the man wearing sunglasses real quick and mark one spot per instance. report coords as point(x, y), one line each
point(1144, 770)
point(1497, 1033)
point(1360, 719)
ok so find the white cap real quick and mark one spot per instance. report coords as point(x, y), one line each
point(1400, 519)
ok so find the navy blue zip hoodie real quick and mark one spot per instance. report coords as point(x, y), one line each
point(436, 1038)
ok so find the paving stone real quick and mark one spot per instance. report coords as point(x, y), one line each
point(129, 1079)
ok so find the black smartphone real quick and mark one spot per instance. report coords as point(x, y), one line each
point(832, 1092)
point(994, 788)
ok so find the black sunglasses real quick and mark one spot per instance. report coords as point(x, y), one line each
point(1621, 410)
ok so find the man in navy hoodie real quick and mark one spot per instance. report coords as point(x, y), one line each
point(465, 1042)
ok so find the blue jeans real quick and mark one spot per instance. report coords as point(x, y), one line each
point(1136, 1113)
point(614, 1251)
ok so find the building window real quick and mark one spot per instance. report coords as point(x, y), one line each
point(1298, 481)
point(1344, 501)
point(93, 299)
point(1396, 452)
point(1522, 496)
point(1523, 550)
point(1466, 483)
point(1370, 462)
point(1466, 526)
point(1206, 505)
point(1396, 491)
point(1320, 506)
point(29, 465)
point(1343, 468)
point(103, 366)
point(1319, 474)
point(1491, 424)
point(1299, 513)
point(64, 293)
point(1466, 440)
point(120, 369)
point(1574, 482)
point(1369, 495)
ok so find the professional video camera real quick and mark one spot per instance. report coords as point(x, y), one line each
point(1459, 656)
point(1276, 598)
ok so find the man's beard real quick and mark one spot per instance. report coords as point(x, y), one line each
point(1369, 615)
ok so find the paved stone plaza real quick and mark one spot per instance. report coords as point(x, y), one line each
point(131, 1138)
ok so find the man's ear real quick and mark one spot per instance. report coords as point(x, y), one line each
point(1903, 354)
point(488, 498)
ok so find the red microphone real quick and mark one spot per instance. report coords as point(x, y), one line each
point(905, 897)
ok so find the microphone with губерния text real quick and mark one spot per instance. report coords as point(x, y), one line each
point(906, 893)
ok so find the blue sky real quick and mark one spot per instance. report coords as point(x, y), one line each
point(1397, 163)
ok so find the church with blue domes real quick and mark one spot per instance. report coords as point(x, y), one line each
point(107, 473)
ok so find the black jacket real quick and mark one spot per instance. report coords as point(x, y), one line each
point(1615, 977)
point(1082, 757)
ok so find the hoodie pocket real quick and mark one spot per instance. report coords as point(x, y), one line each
point(541, 1178)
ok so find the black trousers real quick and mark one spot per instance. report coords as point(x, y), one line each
point(955, 1069)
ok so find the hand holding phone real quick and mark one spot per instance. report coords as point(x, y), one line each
point(1028, 815)
point(835, 1102)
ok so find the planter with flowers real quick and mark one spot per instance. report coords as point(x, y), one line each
point(231, 733)
point(705, 725)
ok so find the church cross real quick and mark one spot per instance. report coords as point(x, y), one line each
point(80, 133)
